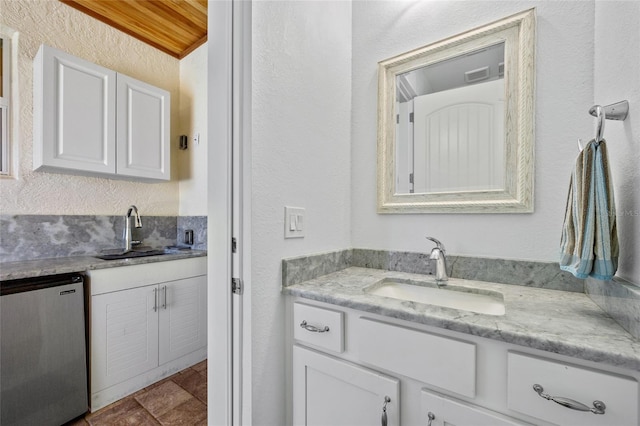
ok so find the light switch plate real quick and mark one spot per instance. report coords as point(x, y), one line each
point(294, 222)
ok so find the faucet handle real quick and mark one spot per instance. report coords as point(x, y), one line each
point(439, 245)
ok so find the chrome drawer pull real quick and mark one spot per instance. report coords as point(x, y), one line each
point(155, 300)
point(383, 420)
point(164, 290)
point(431, 417)
point(598, 406)
point(313, 328)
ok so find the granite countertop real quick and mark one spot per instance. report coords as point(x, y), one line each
point(64, 265)
point(561, 322)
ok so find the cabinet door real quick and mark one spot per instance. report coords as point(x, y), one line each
point(183, 317)
point(124, 335)
point(143, 129)
point(74, 113)
point(446, 411)
point(328, 391)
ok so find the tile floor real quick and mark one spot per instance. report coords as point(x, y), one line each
point(180, 399)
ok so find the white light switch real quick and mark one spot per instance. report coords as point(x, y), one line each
point(293, 222)
point(300, 222)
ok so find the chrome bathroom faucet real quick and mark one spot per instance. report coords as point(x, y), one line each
point(438, 254)
point(126, 235)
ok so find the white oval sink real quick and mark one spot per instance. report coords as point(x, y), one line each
point(449, 296)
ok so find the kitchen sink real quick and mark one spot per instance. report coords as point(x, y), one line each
point(113, 254)
point(449, 296)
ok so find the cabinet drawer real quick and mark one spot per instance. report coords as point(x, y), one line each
point(440, 410)
point(440, 361)
point(560, 380)
point(319, 327)
point(125, 277)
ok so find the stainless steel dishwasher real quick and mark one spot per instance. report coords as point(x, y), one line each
point(43, 374)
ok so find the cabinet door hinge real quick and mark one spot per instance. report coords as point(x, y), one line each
point(410, 117)
point(234, 245)
point(236, 286)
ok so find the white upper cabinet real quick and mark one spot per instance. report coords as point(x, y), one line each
point(91, 120)
point(143, 129)
point(74, 114)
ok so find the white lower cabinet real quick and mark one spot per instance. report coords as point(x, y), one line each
point(124, 336)
point(329, 391)
point(140, 335)
point(182, 317)
point(435, 377)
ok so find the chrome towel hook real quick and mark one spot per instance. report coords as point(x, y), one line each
point(602, 116)
point(617, 111)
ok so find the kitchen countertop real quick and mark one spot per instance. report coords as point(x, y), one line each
point(64, 265)
point(561, 322)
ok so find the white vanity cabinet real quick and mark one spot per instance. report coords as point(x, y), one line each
point(330, 391)
point(89, 119)
point(147, 321)
point(461, 379)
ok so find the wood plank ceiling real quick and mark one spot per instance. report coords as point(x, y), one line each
point(176, 27)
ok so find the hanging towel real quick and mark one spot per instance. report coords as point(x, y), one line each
point(589, 243)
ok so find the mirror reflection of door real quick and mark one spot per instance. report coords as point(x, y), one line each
point(450, 125)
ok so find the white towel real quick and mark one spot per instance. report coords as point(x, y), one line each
point(589, 243)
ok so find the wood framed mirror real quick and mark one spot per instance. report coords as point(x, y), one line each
point(456, 123)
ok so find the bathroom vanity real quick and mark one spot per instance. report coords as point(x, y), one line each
point(358, 357)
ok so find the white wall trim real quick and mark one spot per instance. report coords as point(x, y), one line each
point(219, 111)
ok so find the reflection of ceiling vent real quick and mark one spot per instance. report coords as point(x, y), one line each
point(476, 75)
point(405, 92)
point(501, 69)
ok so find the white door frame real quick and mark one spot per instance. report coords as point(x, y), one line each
point(229, 211)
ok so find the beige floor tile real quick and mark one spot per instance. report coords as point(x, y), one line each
point(202, 365)
point(163, 398)
point(190, 413)
point(194, 383)
point(127, 412)
point(180, 399)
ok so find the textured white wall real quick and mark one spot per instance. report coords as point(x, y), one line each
point(564, 92)
point(58, 25)
point(192, 163)
point(301, 59)
point(617, 77)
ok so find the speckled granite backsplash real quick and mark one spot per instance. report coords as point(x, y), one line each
point(619, 298)
point(26, 237)
point(519, 272)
